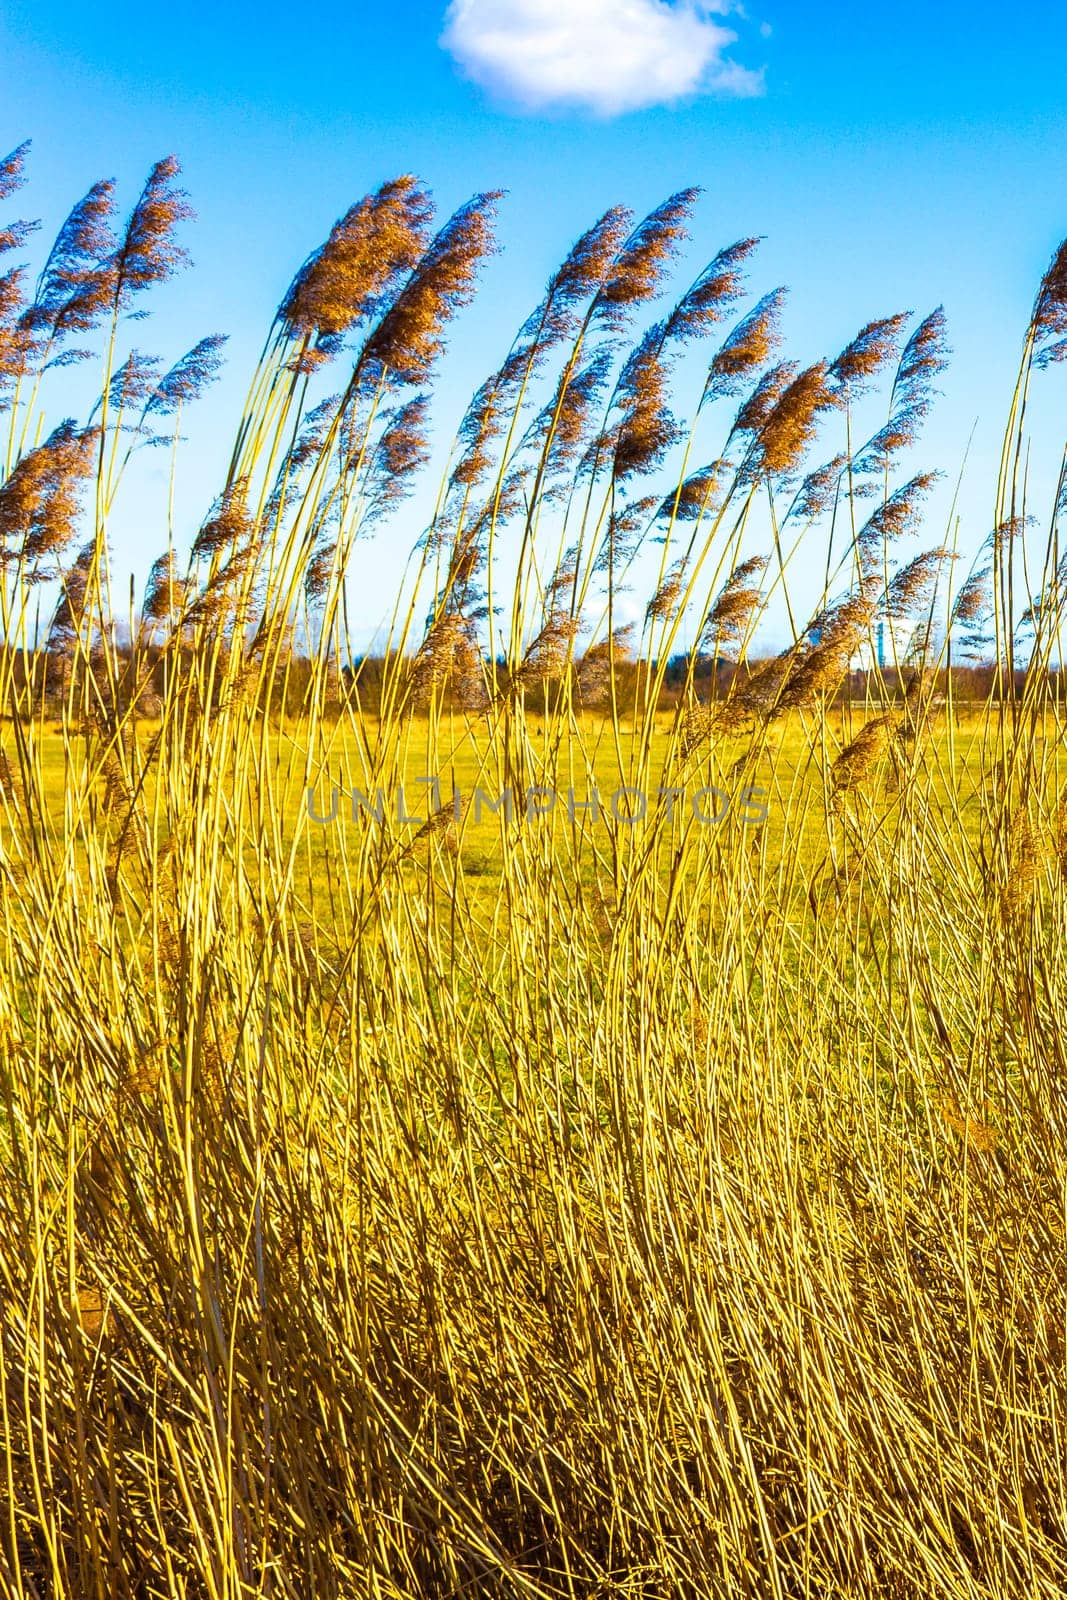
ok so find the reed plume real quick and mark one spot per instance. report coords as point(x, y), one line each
point(663, 603)
point(598, 662)
point(147, 252)
point(860, 759)
point(353, 273)
point(77, 285)
point(911, 589)
point(787, 429)
point(698, 493)
point(40, 502)
point(188, 378)
point(924, 357)
point(408, 338)
point(749, 346)
point(639, 269)
point(1048, 322)
point(730, 619)
point(873, 348)
point(894, 519)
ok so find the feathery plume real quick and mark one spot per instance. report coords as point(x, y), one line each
point(598, 662)
point(350, 276)
point(41, 500)
point(730, 618)
point(638, 270)
point(819, 491)
point(187, 378)
point(815, 666)
point(627, 525)
point(148, 253)
point(1012, 528)
point(924, 356)
point(973, 600)
point(1026, 857)
point(165, 593)
point(13, 170)
point(569, 412)
point(1049, 319)
point(856, 763)
point(67, 617)
point(583, 272)
point(897, 516)
point(871, 350)
point(757, 407)
point(911, 589)
point(13, 341)
point(219, 601)
point(77, 284)
point(666, 597)
point(229, 522)
point(555, 318)
point(132, 383)
point(448, 654)
point(409, 336)
point(402, 449)
point(546, 658)
point(487, 414)
point(646, 430)
point(746, 348)
point(719, 286)
point(789, 426)
point(695, 495)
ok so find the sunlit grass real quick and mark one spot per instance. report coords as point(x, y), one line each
point(544, 1206)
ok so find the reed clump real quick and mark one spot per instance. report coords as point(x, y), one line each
point(471, 1195)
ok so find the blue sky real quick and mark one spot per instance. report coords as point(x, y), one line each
point(893, 158)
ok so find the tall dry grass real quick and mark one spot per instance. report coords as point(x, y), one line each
point(682, 1215)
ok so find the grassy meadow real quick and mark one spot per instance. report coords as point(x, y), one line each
point(554, 1205)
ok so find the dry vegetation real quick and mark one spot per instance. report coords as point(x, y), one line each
point(685, 1217)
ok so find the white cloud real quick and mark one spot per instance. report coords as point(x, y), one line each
point(605, 56)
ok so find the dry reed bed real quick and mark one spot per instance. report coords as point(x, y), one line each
point(688, 1223)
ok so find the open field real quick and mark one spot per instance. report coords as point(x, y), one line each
point(548, 1206)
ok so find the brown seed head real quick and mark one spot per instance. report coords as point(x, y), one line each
point(730, 618)
point(647, 430)
point(717, 288)
point(666, 597)
point(77, 285)
point(638, 271)
point(148, 252)
point(819, 491)
point(974, 598)
point(695, 495)
point(41, 500)
point(13, 170)
point(373, 246)
point(911, 589)
point(858, 761)
point(409, 336)
point(166, 591)
point(747, 348)
point(790, 424)
point(871, 350)
point(188, 378)
point(1026, 857)
point(228, 524)
point(895, 517)
point(1049, 319)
